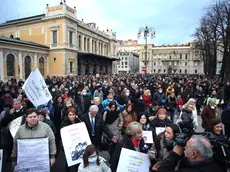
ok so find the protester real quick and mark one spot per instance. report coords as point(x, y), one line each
point(33, 128)
point(92, 161)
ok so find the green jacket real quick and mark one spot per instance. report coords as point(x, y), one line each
point(50, 123)
point(42, 130)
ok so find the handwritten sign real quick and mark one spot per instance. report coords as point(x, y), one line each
point(133, 161)
point(1, 159)
point(160, 130)
point(33, 155)
point(148, 136)
point(14, 126)
point(36, 89)
point(75, 139)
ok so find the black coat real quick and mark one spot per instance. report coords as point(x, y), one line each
point(172, 160)
point(225, 118)
point(100, 127)
point(127, 144)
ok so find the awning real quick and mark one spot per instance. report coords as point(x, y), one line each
point(96, 55)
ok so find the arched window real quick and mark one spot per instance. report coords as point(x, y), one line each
point(42, 65)
point(10, 65)
point(84, 43)
point(27, 66)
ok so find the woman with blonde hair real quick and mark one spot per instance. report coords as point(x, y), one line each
point(147, 98)
point(192, 102)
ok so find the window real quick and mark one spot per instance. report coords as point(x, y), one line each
point(71, 67)
point(10, 65)
point(154, 63)
point(186, 63)
point(70, 37)
point(180, 71)
point(55, 37)
point(164, 70)
point(122, 63)
point(126, 67)
point(186, 56)
point(196, 71)
point(42, 65)
point(125, 58)
point(185, 71)
point(170, 57)
point(79, 43)
point(154, 70)
point(126, 63)
point(181, 56)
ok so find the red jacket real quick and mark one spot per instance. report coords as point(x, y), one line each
point(180, 102)
point(147, 100)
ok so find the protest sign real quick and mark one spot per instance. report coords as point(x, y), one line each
point(133, 161)
point(33, 155)
point(1, 159)
point(160, 130)
point(36, 89)
point(14, 126)
point(75, 139)
point(147, 136)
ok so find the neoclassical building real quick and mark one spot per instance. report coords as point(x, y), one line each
point(178, 59)
point(58, 43)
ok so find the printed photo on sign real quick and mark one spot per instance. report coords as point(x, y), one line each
point(14, 126)
point(28, 154)
point(75, 139)
point(133, 161)
point(36, 89)
point(147, 136)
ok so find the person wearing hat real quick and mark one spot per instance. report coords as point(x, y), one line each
point(33, 128)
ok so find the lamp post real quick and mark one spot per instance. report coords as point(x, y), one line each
point(147, 31)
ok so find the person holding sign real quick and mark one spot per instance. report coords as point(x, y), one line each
point(92, 161)
point(132, 140)
point(34, 129)
point(70, 118)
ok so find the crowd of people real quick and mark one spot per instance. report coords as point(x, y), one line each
point(116, 109)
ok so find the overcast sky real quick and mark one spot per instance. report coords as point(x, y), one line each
point(173, 20)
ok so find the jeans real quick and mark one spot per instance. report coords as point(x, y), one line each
point(171, 115)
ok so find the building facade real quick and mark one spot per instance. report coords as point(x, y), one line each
point(169, 59)
point(129, 62)
point(71, 45)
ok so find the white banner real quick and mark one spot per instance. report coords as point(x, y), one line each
point(160, 130)
point(36, 89)
point(1, 159)
point(133, 161)
point(14, 126)
point(33, 155)
point(75, 138)
point(147, 136)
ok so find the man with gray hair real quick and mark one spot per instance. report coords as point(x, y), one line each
point(208, 113)
point(199, 154)
point(96, 126)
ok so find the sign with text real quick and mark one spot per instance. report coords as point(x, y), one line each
point(133, 161)
point(75, 139)
point(147, 136)
point(14, 126)
point(33, 155)
point(36, 89)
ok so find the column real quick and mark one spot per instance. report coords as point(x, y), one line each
point(35, 60)
point(47, 63)
point(1, 66)
point(90, 45)
point(20, 64)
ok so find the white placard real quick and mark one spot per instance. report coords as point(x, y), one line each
point(75, 138)
point(160, 130)
point(1, 159)
point(133, 161)
point(36, 89)
point(33, 155)
point(147, 136)
point(14, 126)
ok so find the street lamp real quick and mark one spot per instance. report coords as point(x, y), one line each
point(147, 31)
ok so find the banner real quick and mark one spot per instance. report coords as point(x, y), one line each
point(75, 139)
point(36, 89)
point(1, 159)
point(14, 126)
point(147, 136)
point(33, 155)
point(133, 161)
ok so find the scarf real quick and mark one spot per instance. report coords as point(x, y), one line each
point(136, 143)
